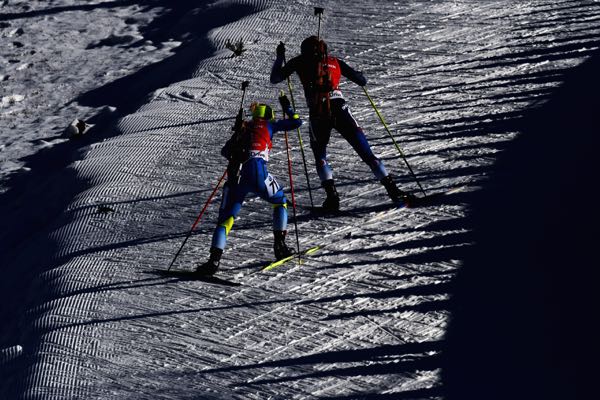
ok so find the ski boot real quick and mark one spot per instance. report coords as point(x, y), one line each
point(281, 249)
point(398, 196)
point(332, 202)
point(211, 266)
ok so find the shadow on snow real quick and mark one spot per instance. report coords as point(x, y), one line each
point(35, 201)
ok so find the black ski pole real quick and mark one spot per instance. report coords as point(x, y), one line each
point(289, 83)
point(393, 140)
point(287, 149)
point(319, 12)
point(197, 219)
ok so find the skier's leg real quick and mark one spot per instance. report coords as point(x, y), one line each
point(348, 127)
point(320, 131)
point(280, 216)
point(271, 191)
point(231, 204)
point(352, 132)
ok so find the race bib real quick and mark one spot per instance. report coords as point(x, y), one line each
point(272, 185)
point(336, 94)
point(264, 154)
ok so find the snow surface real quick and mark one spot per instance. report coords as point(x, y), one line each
point(86, 222)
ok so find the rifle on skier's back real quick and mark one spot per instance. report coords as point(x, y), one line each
point(235, 149)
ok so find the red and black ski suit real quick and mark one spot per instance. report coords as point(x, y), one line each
point(329, 110)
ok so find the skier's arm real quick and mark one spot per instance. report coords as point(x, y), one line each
point(350, 73)
point(280, 72)
point(286, 106)
point(294, 121)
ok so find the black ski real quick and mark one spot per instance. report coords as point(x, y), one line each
point(193, 276)
point(433, 198)
point(415, 202)
point(319, 211)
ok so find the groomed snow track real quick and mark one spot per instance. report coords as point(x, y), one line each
point(365, 316)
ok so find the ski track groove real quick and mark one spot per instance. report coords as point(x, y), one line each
point(112, 330)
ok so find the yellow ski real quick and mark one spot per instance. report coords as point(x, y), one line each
point(279, 263)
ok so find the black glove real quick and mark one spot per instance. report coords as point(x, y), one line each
point(281, 50)
point(285, 102)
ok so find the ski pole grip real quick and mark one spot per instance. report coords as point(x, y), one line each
point(319, 10)
point(245, 84)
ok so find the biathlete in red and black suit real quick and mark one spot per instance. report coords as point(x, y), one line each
point(320, 75)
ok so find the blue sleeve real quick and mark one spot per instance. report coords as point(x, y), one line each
point(286, 124)
point(350, 73)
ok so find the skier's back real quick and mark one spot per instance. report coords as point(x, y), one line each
point(249, 148)
point(320, 75)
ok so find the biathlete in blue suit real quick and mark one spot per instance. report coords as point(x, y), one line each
point(320, 75)
point(249, 148)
